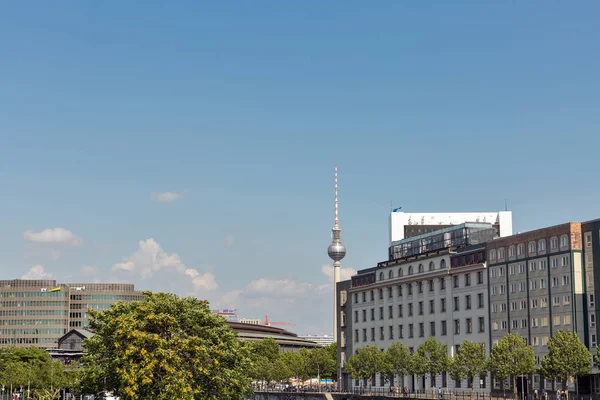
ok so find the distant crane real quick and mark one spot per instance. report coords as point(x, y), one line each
point(268, 323)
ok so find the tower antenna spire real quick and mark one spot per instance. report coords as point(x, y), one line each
point(335, 180)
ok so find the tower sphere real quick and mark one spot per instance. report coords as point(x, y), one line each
point(336, 251)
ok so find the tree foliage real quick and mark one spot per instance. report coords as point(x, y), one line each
point(511, 357)
point(430, 358)
point(567, 357)
point(469, 362)
point(397, 361)
point(368, 361)
point(165, 347)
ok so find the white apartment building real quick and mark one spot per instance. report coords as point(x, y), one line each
point(321, 340)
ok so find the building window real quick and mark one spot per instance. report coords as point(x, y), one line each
point(467, 279)
point(431, 307)
point(380, 313)
point(480, 300)
point(492, 255)
point(390, 292)
point(443, 305)
point(430, 285)
point(421, 329)
point(420, 287)
point(542, 265)
point(469, 325)
point(355, 298)
point(421, 268)
point(495, 325)
point(456, 304)
point(420, 308)
point(567, 299)
point(399, 290)
point(443, 264)
point(400, 314)
point(372, 295)
point(457, 327)
point(390, 274)
point(410, 310)
point(455, 280)
point(468, 302)
point(391, 333)
point(481, 324)
point(564, 241)
point(432, 328)
point(380, 294)
point(503, 325)
point(400, 272)
point(410, 270)
point(511, 251)
point(513, 306)
point(400, 331)
point(364, 296)
point(521, 249)
point(542, 245)
point(356, 335)
point(480, 277)
point(410, 289)
point(501, 253)
point(515, 323)
point(444, 330)
point(588, 239)
point(534, 303)
point(524, 323)
point(544, 322)
point(391, 312)
point(355, 315)
point(553, 243)
point(565, 280)
point(372, 334)
point(532, 266)
point(364, 335)
point(381, 276)
point(372, 314)
point(531, 247)
point(411, 332)
point(381, 334)
point(442, 284)
point(431, 266)
point(364, 313)
point(534, 322)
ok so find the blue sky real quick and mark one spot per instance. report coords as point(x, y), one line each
point(243, 108)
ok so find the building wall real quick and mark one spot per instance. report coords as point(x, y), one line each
point(400, 220)
point(32, 315)
point(380, 314)
point(537, 288)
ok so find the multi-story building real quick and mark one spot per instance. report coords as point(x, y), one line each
point(537, 287)
point(39, 312)
point(321, 340)
point(434, 285)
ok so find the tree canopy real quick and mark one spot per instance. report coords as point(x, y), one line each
point(567, 357)
point(165, 347)
point(368, 361)
point(469, 362)
point(397, 361)
point(511, 357)
point(430, 358)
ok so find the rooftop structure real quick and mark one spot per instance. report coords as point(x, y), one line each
point(404, 225)
point(321, 340)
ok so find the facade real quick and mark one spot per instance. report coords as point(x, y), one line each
point(70, 346)
point(537, 287)
point(287, 341)
point(440, 291)
point(39, 312)
point(321, 340)
point(405, 225)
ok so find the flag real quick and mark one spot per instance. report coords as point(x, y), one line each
point(56, 289)
point(397, 209)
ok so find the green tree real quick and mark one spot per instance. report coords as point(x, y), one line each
point(368, 361)
point(398, 362)
point(320, 363)
point(165, 347)
point(431, 358)
point(263, 355)
point(469, 362)
point(511, 357)
point(567, 357)
point(332, 373)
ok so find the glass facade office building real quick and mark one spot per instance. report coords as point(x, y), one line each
point(39, 312)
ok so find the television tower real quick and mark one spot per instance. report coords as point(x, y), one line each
point(336, 251)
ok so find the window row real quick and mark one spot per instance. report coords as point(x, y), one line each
point(419, 330)
point(541, 302)
point(532, 248)
point(411, 270)
point(420, 308)
point(419, 287)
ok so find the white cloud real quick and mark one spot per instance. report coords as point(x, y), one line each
point(228, 240)
point(166, 197)
point(151, 258)
point(37, 272)
point(345, 273)
point(89, 270)
point(53, 236)
point(282, 288)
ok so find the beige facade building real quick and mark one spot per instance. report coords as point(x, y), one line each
point(39, 312)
